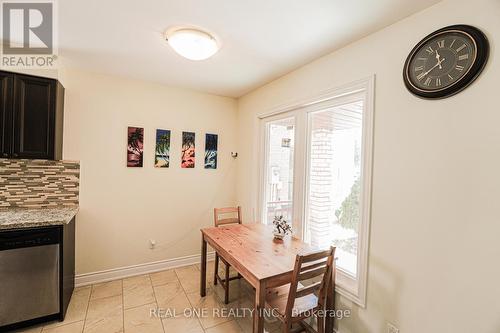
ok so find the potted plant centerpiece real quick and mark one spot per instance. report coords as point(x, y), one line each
point(281, 227)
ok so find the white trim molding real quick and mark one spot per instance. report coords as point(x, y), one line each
point(353, 288)
point(128, 271)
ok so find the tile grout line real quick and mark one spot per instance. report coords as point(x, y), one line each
point(62, 324)
point(185, 294)
point(141, 304)
point(156, 299)
point(87, 308)
point(217, 298)
point(123, 307)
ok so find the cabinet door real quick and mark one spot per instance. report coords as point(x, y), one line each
point(6, 86)
point(34, 117)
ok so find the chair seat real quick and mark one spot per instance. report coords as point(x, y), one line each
point(277, 298)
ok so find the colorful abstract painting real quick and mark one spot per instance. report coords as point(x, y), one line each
point(135, 148)
point(188, 149)
point(162, 151)
point(211, 151)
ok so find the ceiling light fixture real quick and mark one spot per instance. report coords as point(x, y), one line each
point(193, 44)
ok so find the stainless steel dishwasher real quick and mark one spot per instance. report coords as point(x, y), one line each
point(29, 274)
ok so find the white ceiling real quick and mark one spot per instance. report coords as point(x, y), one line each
point(261, 39)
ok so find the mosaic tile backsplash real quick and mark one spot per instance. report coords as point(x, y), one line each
point(38, 183)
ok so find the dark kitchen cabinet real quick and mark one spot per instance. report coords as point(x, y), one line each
point(32, 117)
point(6, 84)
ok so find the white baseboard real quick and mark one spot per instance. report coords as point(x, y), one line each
point(123, 272)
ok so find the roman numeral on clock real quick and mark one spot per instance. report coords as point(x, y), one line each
point(438, 82)
point(428, 81)
point(463, 56)
point(419, 68)
point(459, 68)
point(461, 48)
point(440, 43)
point(429, 50)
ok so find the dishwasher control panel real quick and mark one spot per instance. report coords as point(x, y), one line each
point(16, 239)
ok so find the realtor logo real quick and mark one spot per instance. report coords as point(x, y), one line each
point(27, 28)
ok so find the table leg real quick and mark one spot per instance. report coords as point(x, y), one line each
point(203, 268)
point(260, 303)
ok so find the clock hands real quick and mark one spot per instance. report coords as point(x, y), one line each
point(430, 70)
point(437, 57)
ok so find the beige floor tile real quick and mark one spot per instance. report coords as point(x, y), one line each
point(77, 308)
point(236, 291)
point(140, 320)
point(182, 324)
point(106, 289)
point(229, 327)
point(137, 291)
point(244, 307)
point(171, 297)
point(189, 277)
point(210, 274)
point(105, 325)
point(246, 325)
point(69, 328)
point(163, 277)
point(213, 308)
point(247, 287)
point(105, 315)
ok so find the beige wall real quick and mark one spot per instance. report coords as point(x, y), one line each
point(122, 208)
point(434, 249)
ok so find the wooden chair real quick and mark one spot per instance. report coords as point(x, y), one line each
point(293, 303)
point(218, 221)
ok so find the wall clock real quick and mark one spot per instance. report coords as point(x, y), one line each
point(446, 62)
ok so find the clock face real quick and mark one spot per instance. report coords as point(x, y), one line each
point(445, 62)
point(442, 61)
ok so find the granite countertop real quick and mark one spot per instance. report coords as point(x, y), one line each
point(16, 218)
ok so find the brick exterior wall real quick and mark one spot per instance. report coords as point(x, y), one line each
point(320, 181)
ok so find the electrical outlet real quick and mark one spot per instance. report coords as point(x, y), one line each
point(391, 328)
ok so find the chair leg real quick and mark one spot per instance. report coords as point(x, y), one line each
point(285, 327)
point(216, 268)
point(321, 324)
point(226, 287)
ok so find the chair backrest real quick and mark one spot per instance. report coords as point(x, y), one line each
point(234, 212)
point(313, 265)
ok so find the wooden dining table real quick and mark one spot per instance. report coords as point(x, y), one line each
point(260, 259)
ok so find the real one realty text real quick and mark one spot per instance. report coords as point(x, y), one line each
point(235, 313)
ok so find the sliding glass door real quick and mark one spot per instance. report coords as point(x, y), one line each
point(316, 172)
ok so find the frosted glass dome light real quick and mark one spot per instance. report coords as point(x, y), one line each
point(192, 44)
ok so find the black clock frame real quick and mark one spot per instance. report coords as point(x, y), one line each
point(482, 54)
